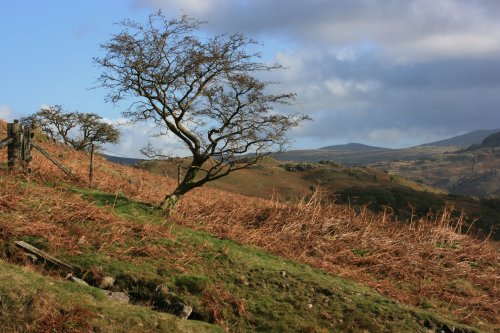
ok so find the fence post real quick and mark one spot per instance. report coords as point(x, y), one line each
point(14, 149)
point(28, 134)
point(91, 165)
point(179, 174)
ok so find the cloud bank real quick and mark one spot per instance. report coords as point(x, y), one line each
point(384, 72)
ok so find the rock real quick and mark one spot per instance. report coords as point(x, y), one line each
point(242, 280)
point(162, 289)
point(106, 282)
point(182, 310)
point(82, 240)
point(283, 273)
point(447, 329)
point(73, 278)
point(31, 257)
point(118, 296)
point(309, 306)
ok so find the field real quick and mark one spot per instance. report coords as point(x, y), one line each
point(473, 173)
point(358, 186)
point(243, 263)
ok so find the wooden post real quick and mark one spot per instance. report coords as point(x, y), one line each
point(26, 147)
point(30, 248)
point(179, 174)
point(14, 149)
point(91, 166)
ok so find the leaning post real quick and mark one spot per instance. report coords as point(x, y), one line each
point(179, 174)
point(14, 131)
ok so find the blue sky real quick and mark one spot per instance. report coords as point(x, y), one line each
point(381, 72)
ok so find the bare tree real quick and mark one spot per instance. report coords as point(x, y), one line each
point(203, 90)
point(76, 129)
point(81, 131)
point(92, 130)
point(54, 121)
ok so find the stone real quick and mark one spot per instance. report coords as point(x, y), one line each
point(82, 240)
point(118, 296)
point(242, 280)
point(283, 273)
point(106, 282)
point(182, 310)
point(162, 289)
point(73, 278)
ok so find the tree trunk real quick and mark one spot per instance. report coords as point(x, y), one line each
point(170, 201)
point(188, 183)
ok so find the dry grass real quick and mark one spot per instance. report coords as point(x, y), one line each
point(69, 223)
point(423, 262)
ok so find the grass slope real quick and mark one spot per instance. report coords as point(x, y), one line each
point(240, 288)
point(473, 173)
point(358, 185)
point(425, 263)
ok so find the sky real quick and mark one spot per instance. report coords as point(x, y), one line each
point(391, 73)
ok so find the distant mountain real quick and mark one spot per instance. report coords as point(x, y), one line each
point(353, 146)
point(122, 160)
point(491, 141)
point(464, 140)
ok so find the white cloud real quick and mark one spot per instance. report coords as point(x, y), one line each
point(339, 87)
point(5, 113)
point(197, 8)
point(454, 45)
point(136, 136)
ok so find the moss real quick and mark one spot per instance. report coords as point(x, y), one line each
point(239, 287)
point(31, 302)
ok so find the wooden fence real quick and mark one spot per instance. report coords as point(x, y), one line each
point(19, 143)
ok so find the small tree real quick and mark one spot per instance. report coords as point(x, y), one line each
point(203, 90)
point(81, 131)
point(54, 121)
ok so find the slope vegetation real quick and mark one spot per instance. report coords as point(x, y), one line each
point(111, 229)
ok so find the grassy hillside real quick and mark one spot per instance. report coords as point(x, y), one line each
point(413, 274)
point(473, 173)
point(353, 157)
point(357, 186)
point(157, 263)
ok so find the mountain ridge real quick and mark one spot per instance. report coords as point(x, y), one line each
point(353, 146)
point(463, 140)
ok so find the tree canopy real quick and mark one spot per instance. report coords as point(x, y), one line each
point(207, 91)
point(76, 129)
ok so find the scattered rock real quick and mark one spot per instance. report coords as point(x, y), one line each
point(106, 282)
point(118, 296)
point(181, 310)
point(31, 257)
point(73, 278)
point(82, 240)
point(162, 289)
point(242, 280)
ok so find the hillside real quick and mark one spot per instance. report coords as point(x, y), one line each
point(353, 147)
point(360, 154)
point(354, 157)
point(468, 172)
point(358, 186)
point(414, 274)
point(464, 140)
